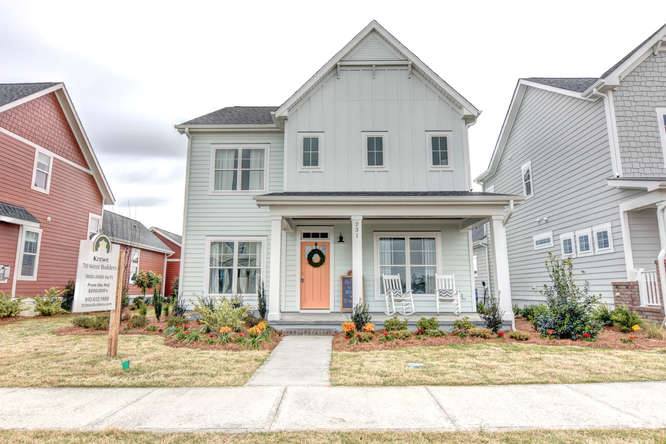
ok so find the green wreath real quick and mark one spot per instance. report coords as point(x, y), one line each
point(316, 252)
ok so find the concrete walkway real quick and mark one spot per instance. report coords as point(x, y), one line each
point(297, 360)
point(237, 409)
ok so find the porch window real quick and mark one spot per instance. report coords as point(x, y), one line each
point(41, 176)
point(414, 258)
point(526, 174)
point(235, 267)
point(438, 150)
point(603, 238)
point(567, 245)
point(239, 169)
point(375, 151)
point(584, 242)
point(134, 264)
point(30, 254)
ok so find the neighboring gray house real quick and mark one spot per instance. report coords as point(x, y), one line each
point(368, 162)
point(589, 154)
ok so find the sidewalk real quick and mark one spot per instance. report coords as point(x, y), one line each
point(238, 409)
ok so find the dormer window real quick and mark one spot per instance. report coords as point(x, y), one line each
point(41, 175)
point(374, 155)
point(311, 145)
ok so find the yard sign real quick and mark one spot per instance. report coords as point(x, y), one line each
point(96, 275)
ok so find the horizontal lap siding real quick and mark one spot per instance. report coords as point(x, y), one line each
point(148, 261)
point(223, 215)
point(173, 263)
point(644, 238)
point(73, 195)
point(8, 239)
point(566, 141)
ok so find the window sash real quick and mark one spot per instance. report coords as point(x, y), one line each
point(374, 154)
point(567, 245)
point(29, 254)
point(526, 177)
point(310, 152)
point(439, 151)
point(42, 171)
point(584, 241)
point(235, 267)
point(603, 238)
point(413, 257)
point(239, 169)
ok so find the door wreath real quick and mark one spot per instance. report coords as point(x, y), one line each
point(320, 257)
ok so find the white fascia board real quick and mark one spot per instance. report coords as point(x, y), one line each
point(647, 185)
point(384, 200)
point(15, 221)
point(272, 128)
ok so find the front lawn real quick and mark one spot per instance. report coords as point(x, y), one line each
point(33, 356)
point(496, 363)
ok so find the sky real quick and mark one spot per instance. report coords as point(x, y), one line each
point(136, 68)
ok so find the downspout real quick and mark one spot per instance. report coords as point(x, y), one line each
point(508, 214)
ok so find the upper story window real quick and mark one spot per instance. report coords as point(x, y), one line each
point(438, 150)
point(311, 150)
point(526, 176)
point(661, 122)
point(134, 264)
point(41, 175)
point(94, 225)
point(239, 169)
point(29, 254)
point(374, 151)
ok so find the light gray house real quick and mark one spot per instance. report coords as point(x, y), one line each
point(363, 171)
point(589, 155)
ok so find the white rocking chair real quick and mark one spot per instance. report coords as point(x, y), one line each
point(446, 291)
point(397, 301)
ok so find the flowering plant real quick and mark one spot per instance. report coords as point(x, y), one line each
point(349, 328)
point(636, 327)
point(225, 330)
point(369, 327)
point(587, 335)
point(501, 334)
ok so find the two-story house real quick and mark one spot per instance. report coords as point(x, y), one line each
point(363, 171)
point(589, 155)
point(52, 188)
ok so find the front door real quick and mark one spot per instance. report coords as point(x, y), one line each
point(315, 275)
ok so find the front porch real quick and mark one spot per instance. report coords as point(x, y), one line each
point(363, 237)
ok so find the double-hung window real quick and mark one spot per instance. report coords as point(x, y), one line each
point(603, 238)
point(374, 151)
point(567, 245)
point(526, 177)
point(235, 267)
point(584, 242)
point(661, 123)
point(41, 175)
point(30, 254)
point(239, 169)
point(311, 151)
point(411, 256)
point(135, 255)
point(438, 150)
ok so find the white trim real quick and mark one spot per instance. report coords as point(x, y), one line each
point(235, 240)
point(130, 276)
point(579, 233)
point(437, 235)
point(20, 275)
point(571, 237)
point(598, 229)
point(444, 133)
point(15, 221)
point(490, 189)
point(525, 167)
point(613, 139)
point(161, 233)
point(186, 206)
point(173, 260)
point(537, 237)
point(319, 135)
point(92, 216)
point(331, 241)
point(626, 244)
point(237, 146)
point(17, 260)
point(364, 148)
point(49, 174)
point(661, 115)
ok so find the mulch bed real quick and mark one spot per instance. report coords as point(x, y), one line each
point(232, 346)
point(609, 338)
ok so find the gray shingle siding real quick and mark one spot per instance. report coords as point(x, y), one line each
point(636, 100)
point(10, 92)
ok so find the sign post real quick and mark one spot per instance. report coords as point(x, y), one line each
point(116, 312)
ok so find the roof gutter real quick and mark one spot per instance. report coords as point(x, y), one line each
point(384, 200)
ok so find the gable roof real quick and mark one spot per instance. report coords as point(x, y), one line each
point(235, 115)
point(173, 237)
point(15, 94)
point(585, 88)
point(11, 213)
point(127, 231)
point(468, 109)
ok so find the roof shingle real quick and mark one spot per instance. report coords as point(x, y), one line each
point(16, 212)
point(122, 229)
point(575, 84)
point(236, 115)
point(10, 92)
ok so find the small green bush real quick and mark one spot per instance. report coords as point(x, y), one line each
point(360, 316)
point(9, 308)
point(519, 335)
point(176, 321)
point(151, 328)
point(224, 313)
point(461, 327)
point(492, 314)
point(434, 332)
point(603, 315)
point(50, 304)
point(530, 312)
point(137, 321)
point(484, 333)
point(92, 322)
point(426, 324)
point(402, 334)
point(395, 324)
point(361, 337)
point(624, 318)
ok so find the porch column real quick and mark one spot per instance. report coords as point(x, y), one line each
point(275, 269)
point(357, 258)
point(501, 254)
point(661, 223)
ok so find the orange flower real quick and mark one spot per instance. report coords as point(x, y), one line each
point(225, 330)
point(254, 331)
point(369, 327)
point(348, 328)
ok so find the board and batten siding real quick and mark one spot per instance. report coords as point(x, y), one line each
point(566, 140)
point(637, 98)
point(223, 215)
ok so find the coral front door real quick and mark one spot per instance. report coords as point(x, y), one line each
point(315, 275)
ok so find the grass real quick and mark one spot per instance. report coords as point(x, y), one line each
point(33, 356)
point(537, 436)
point(476, 364)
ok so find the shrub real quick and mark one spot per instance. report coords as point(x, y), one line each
point(261, 301)
point(137, 321)
point(530, 312)
point(519, 335)
point(461, 327)
point(68, 296)
point(9, 307)
point(603, 315)
point(92, 322)
point(625, 318)
point(570, 308)
point(427, 324)
point(654, 330)
point(179, 307)
point(360, 315)
point(224, 313)
point(491, 314)
point(484, 333)
point(361, 337)
point(151, 328)
point(434, 332)
point(50, 304)
point(394, 324)
point(348, 328)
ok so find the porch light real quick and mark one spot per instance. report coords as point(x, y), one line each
point(341, 240)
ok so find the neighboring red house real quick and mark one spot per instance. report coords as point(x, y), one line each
point(145, 251)
point(52, 188)
point(174, 242)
